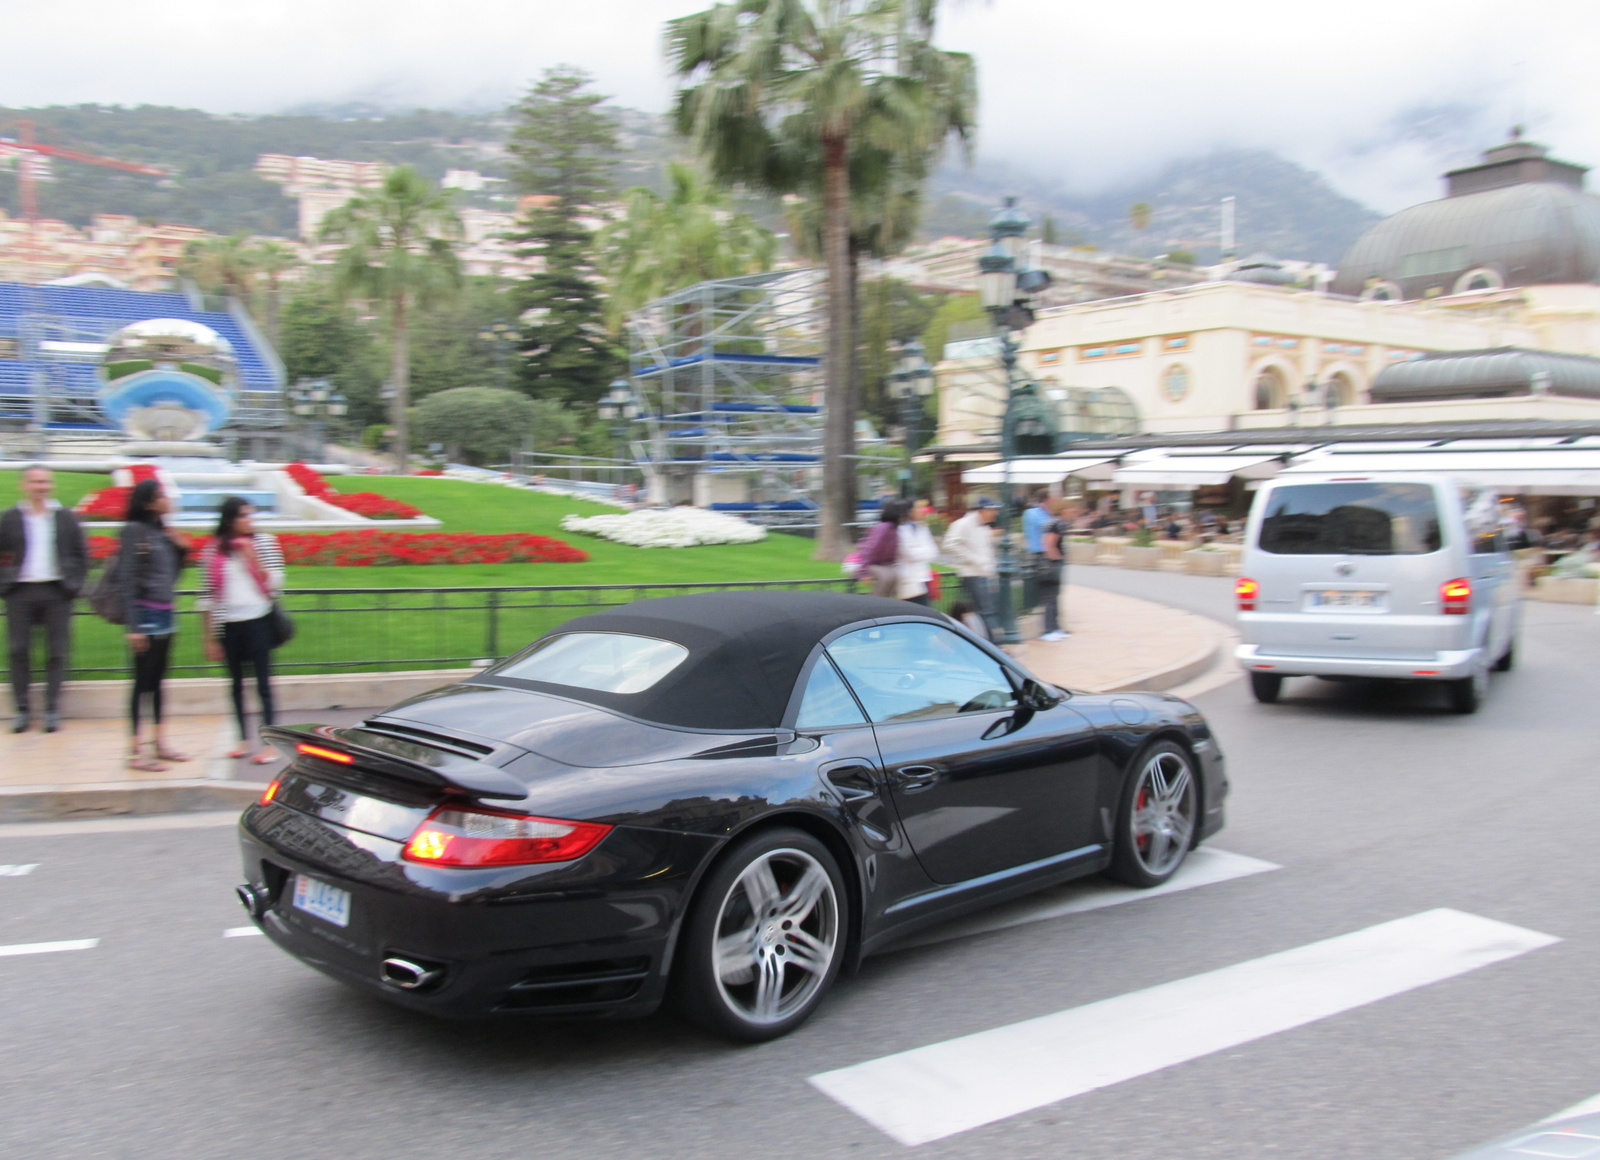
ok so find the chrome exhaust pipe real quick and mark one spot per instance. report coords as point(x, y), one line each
point(253, 899)
point(407, 975)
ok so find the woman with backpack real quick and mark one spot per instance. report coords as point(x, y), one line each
point(241, 577)
point(149, 559)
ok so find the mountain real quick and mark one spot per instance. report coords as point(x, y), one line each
point(1282, 208)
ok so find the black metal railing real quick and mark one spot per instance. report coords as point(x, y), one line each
point(395, 629)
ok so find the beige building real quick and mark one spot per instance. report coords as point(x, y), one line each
point(1510, 258)
point(1077, 273)
point(114, 246)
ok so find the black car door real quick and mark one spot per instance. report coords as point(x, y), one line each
point(980, 784)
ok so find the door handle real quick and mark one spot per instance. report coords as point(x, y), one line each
point(915, 778)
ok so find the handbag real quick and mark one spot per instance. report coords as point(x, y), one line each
point(281, 625)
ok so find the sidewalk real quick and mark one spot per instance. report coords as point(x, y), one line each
point(1118, 643)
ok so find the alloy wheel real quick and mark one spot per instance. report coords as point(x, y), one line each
point(1163, 813)
point(777, 932)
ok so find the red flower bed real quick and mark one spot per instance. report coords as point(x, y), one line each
point(368, 549)
point(111, 503)
point(364, 503)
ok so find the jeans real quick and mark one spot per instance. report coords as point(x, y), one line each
point(29, 606)
point(1049, 582)
point(980, 592)
point(249, 641)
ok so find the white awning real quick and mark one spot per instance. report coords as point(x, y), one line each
point(1184, 471)
point(1566, 471)
point(1039, 471)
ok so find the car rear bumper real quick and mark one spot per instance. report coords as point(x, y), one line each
point(1445, 666)
point(573, 942)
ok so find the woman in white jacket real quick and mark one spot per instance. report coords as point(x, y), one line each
point(918, 550)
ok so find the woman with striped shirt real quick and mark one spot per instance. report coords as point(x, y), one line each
point(241, 574)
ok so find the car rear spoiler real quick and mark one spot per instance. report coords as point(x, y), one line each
point(440, 771)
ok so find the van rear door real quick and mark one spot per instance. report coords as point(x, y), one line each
point(1352, 568)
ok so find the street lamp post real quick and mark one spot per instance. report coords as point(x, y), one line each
point(911, 383)
point(314, 400)
point(500, 336)
point(1004, 288)
point(619, 409)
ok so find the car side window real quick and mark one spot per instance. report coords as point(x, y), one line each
point(906, 672)
point(827, 702)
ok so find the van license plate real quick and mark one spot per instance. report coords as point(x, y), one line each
point(328, 903)
point(1344, 598)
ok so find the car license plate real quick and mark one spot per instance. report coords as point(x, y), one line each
point(328, 903)
point(1344, 598)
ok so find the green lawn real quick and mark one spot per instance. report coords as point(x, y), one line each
point(424, 626)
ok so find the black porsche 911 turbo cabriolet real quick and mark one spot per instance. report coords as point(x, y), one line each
point(728, 798)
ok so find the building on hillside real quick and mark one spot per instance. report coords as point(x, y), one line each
point(1077, 274)
point(317, 184)
point(1454, 312)
point(115, 247)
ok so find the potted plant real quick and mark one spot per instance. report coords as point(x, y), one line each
point(1142, 551)
point(1082, 550)
point(1205, 561)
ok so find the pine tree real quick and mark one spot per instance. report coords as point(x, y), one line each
point(566, 147)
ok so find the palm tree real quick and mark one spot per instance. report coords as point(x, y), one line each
point(784, 95)
point(272, 260)
point(398, 251)
point(222, 266)
point(662, 244)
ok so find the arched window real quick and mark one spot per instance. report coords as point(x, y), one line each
point(1271, 389)
point(1481, 278)
point(1381, 291)
point(1341, 391)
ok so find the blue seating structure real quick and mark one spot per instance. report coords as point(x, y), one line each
point(93, 314)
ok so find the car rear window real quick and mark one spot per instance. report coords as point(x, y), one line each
point(1358, 519)
point(608, 662)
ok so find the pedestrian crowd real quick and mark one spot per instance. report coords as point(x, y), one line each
point(44, 565)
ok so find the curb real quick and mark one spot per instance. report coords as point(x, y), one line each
point(115, 799)
point(1201, 661)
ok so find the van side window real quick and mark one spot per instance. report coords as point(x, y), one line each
point(1483, 521)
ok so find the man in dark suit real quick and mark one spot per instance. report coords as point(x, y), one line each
point(43, 562)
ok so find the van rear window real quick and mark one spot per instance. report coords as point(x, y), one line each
point(1355, 519)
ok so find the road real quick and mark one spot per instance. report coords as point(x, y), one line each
point(167, 1039)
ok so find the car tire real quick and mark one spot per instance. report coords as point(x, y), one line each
point(1508, 659)
point(1158, 817)
point(1467, 694)
point(765, 938)
point(1266, 687)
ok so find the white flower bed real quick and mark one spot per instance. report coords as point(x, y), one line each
point(679, 527)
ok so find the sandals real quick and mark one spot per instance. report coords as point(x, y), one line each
point(171, 755)
point(143, 763)
point(265, 757)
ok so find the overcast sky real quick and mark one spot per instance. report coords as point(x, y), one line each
point(1376, 94)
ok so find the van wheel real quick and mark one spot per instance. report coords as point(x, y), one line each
point(1468, 693)
point(1266, 687)
point(1508, 660)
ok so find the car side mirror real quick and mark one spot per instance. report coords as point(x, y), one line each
point(1037, 696)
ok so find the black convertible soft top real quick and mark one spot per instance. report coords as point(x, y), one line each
point(746, 650)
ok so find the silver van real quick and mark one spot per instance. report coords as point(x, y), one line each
point(1393, 576)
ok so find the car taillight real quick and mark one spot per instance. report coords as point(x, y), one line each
point(457, 837)
point(270, 792)
point(1456, 597)
point(1246, 590)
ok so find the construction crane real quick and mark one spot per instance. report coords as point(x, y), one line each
point(24, 148)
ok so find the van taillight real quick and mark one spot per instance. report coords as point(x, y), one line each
point(1456, 597)
point(1246, 590)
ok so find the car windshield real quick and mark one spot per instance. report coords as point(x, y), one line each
point(607, 662)
point(1351, 518)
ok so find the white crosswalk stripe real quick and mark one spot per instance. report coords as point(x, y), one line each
point(18, 870)
point(46, 948)
point(241, 932)
point(936, 1091)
